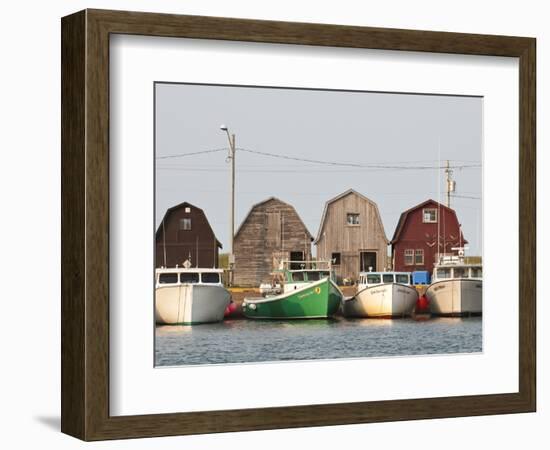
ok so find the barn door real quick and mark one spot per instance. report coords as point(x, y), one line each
point(367, 261)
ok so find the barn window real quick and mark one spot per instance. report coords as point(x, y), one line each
point(409, 257)
point(429, 215)
point(187, 209)
point(335, 259)
point(185, 224)
point(419, 257)
point(353, 219)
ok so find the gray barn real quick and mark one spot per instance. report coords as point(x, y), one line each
point(351, 234)
point(272, 231)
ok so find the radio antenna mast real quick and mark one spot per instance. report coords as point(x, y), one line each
point(451, 184)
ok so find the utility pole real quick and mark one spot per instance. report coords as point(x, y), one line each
point(451, 184)
point(231, 158)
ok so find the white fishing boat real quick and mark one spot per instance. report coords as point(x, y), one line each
point(456, 288)
point(188, 296)
point(382, 295)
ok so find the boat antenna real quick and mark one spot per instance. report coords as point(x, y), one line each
point(282, 232)
point(164, 241)
point(438, 199)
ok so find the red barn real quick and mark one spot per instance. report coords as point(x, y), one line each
point(414, 243)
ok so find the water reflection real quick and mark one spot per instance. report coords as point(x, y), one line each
point(237, 341)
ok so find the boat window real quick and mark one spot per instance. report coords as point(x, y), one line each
point(298, 276)
point(313, 276)
point(387, 278)
point(168, 278)
point(443, 273)
point(460, 272)
point(324, 274)
point(475, 272)
point(189, 277)
point(210, 277)
point(402, 278)
point(373, 279)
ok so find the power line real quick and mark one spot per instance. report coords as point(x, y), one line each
point(348, 164)
point(382, 166)
point(181, 155)
point(466, 196)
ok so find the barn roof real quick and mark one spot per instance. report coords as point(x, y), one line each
point(342, 195)
point(256, 205)
point(404, 215)
point(179, 206)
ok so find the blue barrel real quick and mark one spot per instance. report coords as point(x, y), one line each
point(421, 277)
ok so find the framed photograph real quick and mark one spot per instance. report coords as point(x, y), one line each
point(273, 225)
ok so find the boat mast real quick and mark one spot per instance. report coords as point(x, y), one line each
point(164, 241)
point(438, 200)
point(197, 251)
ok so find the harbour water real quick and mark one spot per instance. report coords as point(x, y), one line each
point(242, 341)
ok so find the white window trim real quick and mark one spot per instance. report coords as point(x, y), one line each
point(405, 256)
point(422, 253)
point(352, 224)
point(424, 215)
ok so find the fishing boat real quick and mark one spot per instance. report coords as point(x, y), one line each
point(382, 295)
point(189, 296)
point(304, 293)
point(456, 288)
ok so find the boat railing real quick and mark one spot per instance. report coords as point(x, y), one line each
point(286, 264)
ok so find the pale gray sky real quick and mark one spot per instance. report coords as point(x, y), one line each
point(400, 130)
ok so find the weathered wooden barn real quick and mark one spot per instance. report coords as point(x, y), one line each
point(272, 231)
point(185, 234)
point(352, 235)
point(414, 243)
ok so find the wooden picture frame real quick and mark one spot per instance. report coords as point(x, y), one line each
point(85, 224)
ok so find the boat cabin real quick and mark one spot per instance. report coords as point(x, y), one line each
point(305, 276)
point(294, 274)
point(458, 271)
point(376, 278)
point(178, 276)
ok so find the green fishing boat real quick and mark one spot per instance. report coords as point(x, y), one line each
point(305, 293)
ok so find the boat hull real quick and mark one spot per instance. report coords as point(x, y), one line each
point(458, 297)
point(382, 301)
point(190, 304)
point(320, 299)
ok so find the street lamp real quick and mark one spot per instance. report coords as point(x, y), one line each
point(231, 157)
